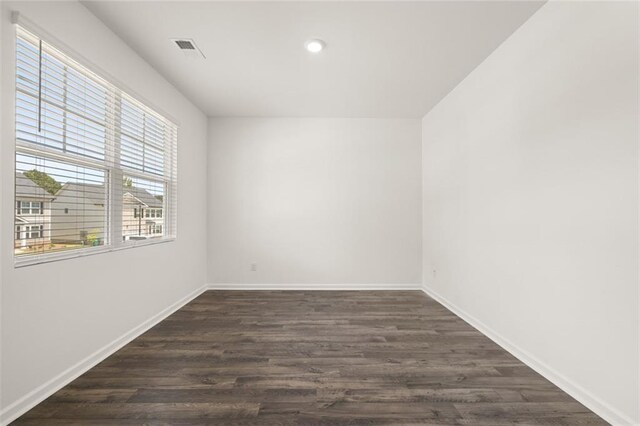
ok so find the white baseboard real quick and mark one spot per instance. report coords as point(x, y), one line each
point(36, 396)
point(301, 286)
point(595, 404)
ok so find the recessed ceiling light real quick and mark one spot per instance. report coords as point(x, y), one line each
point(314, 45)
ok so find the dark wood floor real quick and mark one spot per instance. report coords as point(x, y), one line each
point(305, 357)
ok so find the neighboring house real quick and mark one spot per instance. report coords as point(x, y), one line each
point(142, 213)
point(75, 214)
point(33, 213)
point(78, 214)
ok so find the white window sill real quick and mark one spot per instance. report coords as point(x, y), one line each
point(36, 259)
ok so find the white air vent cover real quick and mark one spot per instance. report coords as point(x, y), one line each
point(188, 46)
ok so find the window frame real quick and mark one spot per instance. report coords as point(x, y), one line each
point(111, 165)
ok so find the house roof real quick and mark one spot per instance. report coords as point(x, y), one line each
point(96, 193)
point(26, 188)
point(92, 192)
point(144, 196)
point(21, 219)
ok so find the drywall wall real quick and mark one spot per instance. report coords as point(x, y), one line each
point(57, 314)
point(319, 201)
point(530, 199)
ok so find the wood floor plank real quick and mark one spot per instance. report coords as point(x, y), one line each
point(311, 358)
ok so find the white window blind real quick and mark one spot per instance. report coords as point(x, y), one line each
point(87, 155)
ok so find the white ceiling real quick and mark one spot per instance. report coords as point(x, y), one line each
point(383, 59)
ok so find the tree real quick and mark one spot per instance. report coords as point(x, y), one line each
point(44, 181)
point(127, 182)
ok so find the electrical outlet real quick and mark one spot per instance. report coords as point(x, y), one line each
point(254, 266)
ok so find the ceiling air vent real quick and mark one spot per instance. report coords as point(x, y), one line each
point(188, 46)
point(185, 45)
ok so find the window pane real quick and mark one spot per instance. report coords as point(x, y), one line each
point(68, 113)
point(142, 139)
point(140, 198)
point(62, 206)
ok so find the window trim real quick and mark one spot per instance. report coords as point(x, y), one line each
point(114, 172)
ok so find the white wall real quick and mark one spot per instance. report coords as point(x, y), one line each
point(54, 315)
point(314, 201)
point(530, 199)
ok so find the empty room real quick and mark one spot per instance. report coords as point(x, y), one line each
point(319, 212)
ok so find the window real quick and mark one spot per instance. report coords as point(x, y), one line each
point(93, 164)
point(29, 207)
point(29, 232)
point(33, 231)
